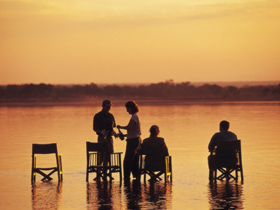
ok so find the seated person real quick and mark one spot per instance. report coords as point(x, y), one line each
point(155, 150)
point(221, 156)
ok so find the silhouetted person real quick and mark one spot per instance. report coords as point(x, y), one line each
point(155, 150)
point(103, 125)
point(131, 159)
point(225, 135)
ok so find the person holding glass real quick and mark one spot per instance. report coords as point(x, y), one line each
point(131, 159)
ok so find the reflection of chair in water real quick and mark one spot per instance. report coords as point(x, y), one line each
point(157, 194)
point(46, 195)
point(99, 195)
point(228, 160)
point(45, 149)
point(93, 166)
point(225, 195)
point(162, 167)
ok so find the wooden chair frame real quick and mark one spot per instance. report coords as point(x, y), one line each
point(226, 169)
point(93, 166)
point(156, 176)
point(46, 149)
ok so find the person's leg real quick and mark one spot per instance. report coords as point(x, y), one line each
point(211, 162)
point(127, 162)
point(101, 155)
point(135, 164)
point(131, 159)
point(106, 157)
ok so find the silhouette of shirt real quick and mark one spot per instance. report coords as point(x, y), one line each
point(222, 135)
point(103, 120)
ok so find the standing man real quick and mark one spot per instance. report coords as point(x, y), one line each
point(224, 135)
point(103, 125)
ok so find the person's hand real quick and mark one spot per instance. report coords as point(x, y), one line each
point(118, 126)
point(116, 135)
point(104, 133)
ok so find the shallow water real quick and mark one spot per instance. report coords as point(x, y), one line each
point(187, 129)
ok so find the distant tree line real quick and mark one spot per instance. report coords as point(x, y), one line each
point(163, 90)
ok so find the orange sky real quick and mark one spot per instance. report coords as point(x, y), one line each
point(126, 41)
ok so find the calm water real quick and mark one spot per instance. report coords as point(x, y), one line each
point(187, 130)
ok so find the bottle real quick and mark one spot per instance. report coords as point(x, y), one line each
point(121, 134)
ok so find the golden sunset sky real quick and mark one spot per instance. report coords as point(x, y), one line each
point(131, 41)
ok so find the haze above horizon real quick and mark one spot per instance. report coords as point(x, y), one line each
point(102, 42)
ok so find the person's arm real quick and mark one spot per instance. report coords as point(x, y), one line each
point(212, 143)
point(95, 125)
point(114, 125)
point(166, 149)
point(129, 126)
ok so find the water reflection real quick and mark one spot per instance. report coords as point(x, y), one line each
point(100, 195)
point(224, 195)
point(158, 195)
point(148, 195)
point(132, 195)
point(46, 195)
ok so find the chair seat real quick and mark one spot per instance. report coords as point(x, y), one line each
point(45, 168)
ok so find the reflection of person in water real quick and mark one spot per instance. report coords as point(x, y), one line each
point(133, 194)
point(99, 195)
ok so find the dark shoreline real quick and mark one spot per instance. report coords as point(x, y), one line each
point(168, 93)
point(121, 102)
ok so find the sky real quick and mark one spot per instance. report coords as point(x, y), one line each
point(147, 41)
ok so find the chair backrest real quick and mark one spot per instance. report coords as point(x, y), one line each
point(97, 147)
point(154, 149)
point(228, 149)
point(155, 155)
point(44, 148)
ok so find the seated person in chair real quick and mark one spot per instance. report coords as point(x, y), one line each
point(155, 150)
point(221, 156)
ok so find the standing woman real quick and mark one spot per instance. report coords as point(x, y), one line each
point(131, 159)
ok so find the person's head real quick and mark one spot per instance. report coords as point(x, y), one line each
point(131, 107)
point(106, 105)
point(224, 125)
point(154, 130)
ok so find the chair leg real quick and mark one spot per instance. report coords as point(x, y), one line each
point(120, 167)
point(144, 175)
point(47, 176)
point(60, 178)
point(215, 174)
point(170, 168)
point(241, 173)
point(211, 172)
point(33, 173)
